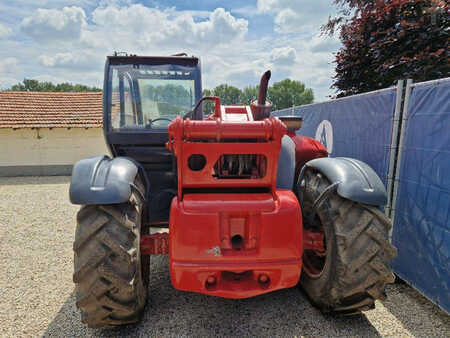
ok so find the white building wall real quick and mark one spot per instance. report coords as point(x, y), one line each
point(30, 151)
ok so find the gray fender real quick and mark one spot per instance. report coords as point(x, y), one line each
point(286, 164)
point(356, 180)
point(102, 180)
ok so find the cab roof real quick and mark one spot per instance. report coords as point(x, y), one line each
point(191, 61)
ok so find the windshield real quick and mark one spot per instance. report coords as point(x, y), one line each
point(150, 97)
point(166, 98)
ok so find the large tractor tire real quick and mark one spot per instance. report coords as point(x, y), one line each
point(354, 269)
point(110, 275)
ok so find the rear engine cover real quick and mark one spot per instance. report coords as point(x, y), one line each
point(235, 245)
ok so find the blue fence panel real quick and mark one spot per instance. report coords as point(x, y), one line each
point(358, 126)
point(422, 216)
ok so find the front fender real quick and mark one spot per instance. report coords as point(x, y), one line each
point(102, 180)
point(356, 180)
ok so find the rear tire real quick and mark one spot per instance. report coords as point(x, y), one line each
point(111, 277)
point(356, 267)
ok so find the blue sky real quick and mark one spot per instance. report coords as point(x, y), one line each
point(237, 40)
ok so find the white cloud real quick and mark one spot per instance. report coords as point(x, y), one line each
point(216, 35)
point(71, 43)
point(7, 82)
point(222, 27)
point(284, 56)
point(8, 66)
point(5, 31)
point(295, 16)
point(55, 24)
point(132, 18)
point(71, 60)
point(287, 21)
point(55, 60)
point(267, 5)
point(245, 73)
point(247, 11)
point(298, 24)
point(325, 44)
point(239, 71)
point(143, 26)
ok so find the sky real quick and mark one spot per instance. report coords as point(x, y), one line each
point(236, 40)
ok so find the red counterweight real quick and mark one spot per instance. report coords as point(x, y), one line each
point(232, 233)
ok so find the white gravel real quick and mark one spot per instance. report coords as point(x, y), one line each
point(37, 225)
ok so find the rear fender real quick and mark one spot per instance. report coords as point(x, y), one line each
point(355, 180)
point(102, 180)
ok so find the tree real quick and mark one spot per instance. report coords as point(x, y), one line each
point(283, 94)
point(228, 94)
point(249, 94)
point(173, 94)
point(288, 93)
point(208, 106)
point(388, 40)
point(38, 86)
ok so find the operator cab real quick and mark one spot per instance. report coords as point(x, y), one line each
point(142, 95)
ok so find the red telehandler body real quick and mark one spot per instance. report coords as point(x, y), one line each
point(251, 207)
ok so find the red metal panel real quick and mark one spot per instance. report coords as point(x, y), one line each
point(268, 129)
point(313, 240)
point(235, 244)
point(212, 152)
point(306, 149)
point(267, 257)
point(155, 244)
point(188, 137)
point(236, 113)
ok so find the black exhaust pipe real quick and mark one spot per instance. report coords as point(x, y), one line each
point(261, 108)
point(263, 86)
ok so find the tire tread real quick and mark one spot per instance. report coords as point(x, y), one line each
point(361, 267)
point(109, 284)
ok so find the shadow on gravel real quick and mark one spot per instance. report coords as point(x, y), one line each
point(404, 301)
point(27, 180)
point(174, 313)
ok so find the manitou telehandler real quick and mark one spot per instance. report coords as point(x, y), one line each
point(251, 207)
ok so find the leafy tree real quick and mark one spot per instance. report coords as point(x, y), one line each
point(208, 106)
point(228, 94)
point(388, 40)
point(207, 92)
point(44, 86)
point(283, 94)
point(288, 93)
point(173, 94)
point(249, 94)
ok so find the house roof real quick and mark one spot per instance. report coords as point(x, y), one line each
point(50, 109)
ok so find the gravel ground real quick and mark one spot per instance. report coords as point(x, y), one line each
point(36, 234)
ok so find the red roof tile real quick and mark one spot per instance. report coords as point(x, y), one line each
point(50, 109)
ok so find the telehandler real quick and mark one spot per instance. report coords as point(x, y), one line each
point(251, 206)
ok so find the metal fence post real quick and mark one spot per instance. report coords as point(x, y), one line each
point(398, 161)
point(394, 144)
